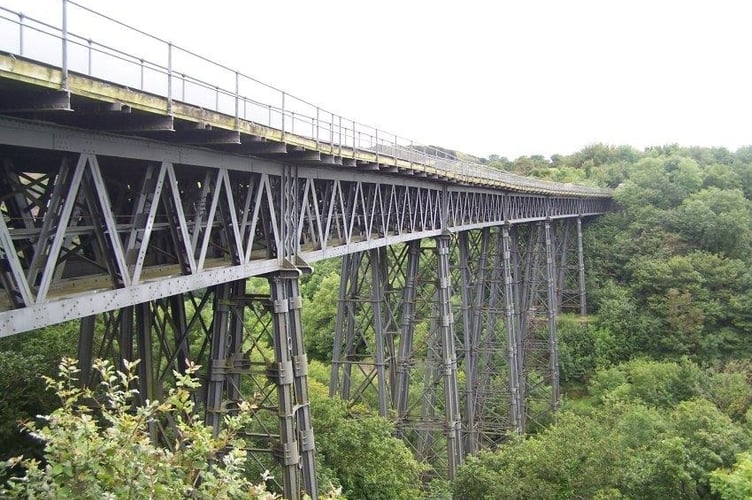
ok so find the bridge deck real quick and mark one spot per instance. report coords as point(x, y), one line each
point(32, 89)
point(114, 194)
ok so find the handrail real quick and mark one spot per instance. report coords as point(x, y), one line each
point(171, 77)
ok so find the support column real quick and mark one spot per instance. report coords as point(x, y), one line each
point(553, 349)
point(85, 346)
point(473, 325)
point(222, 319)
point(581, 268)
point(512, 322)
point(288, 451)
point(348, 334)
point(377, 298)
point(405, 360)
point(300, 383)
point(144, 342)
point(453, 422)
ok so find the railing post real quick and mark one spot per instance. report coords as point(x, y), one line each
point(142, 73)
point(89, 48)
point(318, 126)
point(169, 79)
point(340, 135)
point(64, 81)
point(20, 32)
point(237, 100)
point(283, 116)
point(581, 268)
point(331, 130)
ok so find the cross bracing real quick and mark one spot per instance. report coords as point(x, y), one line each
point(142, 212)
point(94, 222)
point(146, 235)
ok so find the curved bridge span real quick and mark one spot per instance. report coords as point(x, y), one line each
point(139, 200)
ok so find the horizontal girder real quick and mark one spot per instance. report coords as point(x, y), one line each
point(94, 222)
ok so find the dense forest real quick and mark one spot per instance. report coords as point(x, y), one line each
point(657, 381)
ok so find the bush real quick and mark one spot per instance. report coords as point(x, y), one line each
point(111, 455)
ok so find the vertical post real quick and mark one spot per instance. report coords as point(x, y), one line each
point(377, 297)
point(471, 429)
point(288, 452)
point(20, 33)
point(581, 268)
point(407, 328)
point(453, 423)
point(283, 116)
point(552, 342)
point(64, 81)
point(513, 332)
point(169, 79)
point(218, 358)
point(144, 321)
point(89, 54)
point(318, 126)
point(177, 309)
point(300, 383)
point(142, 73)
point(331, 131)
point(339, 328)
point(237, 100)
point(517, 316)
point(85, 341)
point(340, 135)
point(125, 339)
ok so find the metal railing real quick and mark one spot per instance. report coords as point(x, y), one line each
point(169, 71)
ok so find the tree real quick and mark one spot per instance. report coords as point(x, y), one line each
point(318, 318)
point(718, 221)
point(111, 454)
point(361, 451)
point(734, 483)
point(25, 359)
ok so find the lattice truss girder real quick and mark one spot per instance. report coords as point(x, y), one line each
point(129, 221)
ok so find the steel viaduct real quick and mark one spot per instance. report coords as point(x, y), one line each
point(139, 200)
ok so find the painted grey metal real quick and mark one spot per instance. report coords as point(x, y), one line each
point(513, 334)
point(304, 420)
point(452, 416)
point(335, 215)
point(581, 268)
point(285, 108)
point(405, 359)
point(553, 349)
point(288, 451)
point(377, 300)
point(131, 229)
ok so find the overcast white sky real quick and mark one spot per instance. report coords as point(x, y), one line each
point(481, 76)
